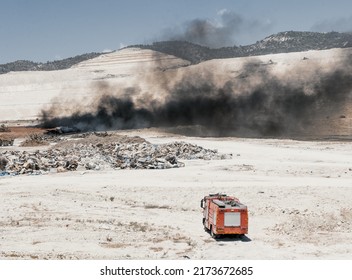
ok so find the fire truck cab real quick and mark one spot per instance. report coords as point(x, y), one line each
point(224, 215)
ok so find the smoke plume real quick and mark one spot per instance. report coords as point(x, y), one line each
point(269, 107)
point(216, 33)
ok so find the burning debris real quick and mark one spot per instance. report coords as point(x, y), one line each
point(62, 130)
point(91, 153)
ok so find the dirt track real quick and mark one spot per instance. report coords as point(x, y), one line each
point(20, 131)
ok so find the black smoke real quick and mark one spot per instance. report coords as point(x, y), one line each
point(215, 34)
point(273, 107)
point(109, 112)
point(207, 33)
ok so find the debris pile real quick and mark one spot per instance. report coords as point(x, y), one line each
point(34, 140)
point(95, 152)
point(189, 151)
point(3, 163)
point(6, 142)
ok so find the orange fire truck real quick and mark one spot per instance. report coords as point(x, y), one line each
point(224, 215)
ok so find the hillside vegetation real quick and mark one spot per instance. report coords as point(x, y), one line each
point(283, 42)
point(26, 65)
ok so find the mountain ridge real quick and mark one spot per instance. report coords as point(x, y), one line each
point(282, 42)
point(27, 65)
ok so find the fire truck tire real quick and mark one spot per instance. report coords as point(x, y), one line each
point(213, 235)
point(204, 224)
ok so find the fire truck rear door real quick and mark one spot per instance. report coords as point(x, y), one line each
point(232, 219)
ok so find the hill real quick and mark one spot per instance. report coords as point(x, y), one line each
point(26, 65)
point(283, 42)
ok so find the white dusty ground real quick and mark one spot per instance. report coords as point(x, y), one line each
point(298, 195)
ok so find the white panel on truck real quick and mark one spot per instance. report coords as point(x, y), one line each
point(232, 219)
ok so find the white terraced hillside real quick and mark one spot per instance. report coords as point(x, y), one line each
point(24, 94)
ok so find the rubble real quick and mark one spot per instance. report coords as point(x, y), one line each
point(104, 151)
point(3, 163)
point(34, 140)
point(6, 142)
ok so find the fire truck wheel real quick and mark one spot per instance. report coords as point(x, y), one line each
point(242, 237)
point(204, 224)
point(213, 235)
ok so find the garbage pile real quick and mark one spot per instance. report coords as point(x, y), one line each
point(95, 153)
point(6, 142)
point(34, 140)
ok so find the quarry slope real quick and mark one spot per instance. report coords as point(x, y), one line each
point(25, 94)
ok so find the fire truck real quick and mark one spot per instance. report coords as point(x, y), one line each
point(224, 215)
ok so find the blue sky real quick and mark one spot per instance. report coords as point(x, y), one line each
point(42, 30)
